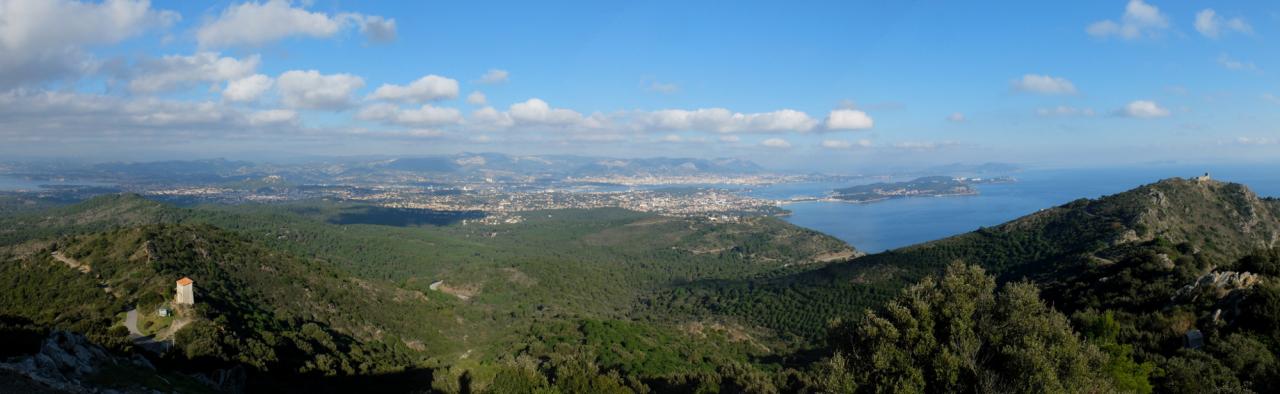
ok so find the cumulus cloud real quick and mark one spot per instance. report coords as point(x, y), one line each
point(175, 72)
point(956, 117)
point(1139, 20)
point(720, 120)
point(490, 118)
point(494, 76)
point(1143, 109)
point(428, 88)
point(312, 90)
point(1271, 98)
point(426, 115)
point(671, 138)
point(42, 40)
point(66, 116)
point(1211, 25)
point(776, 143)
point(273, 117)
point(247, 89)
point(1063, 110)
point(537, 112)
point(843, 144)
point(378, 29)
point(848, 119)
point(1256, 141)
point(257, 24)
point(477, 98)
point(1043, 84)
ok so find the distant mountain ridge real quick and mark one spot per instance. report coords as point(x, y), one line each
point(571, 165)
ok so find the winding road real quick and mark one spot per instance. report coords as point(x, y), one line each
point(145, 341)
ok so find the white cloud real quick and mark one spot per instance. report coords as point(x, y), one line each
point(426, 115)
point(42, 40)
point(956, 117)
point(490, 118)
point(1143, 109)
point(1043, 84)
point(428, 88)
point(378, 29)
point(848, 119)
point(720, 120)
point(1271, 98)
point(1256, 141)
point(1139, 20)
point(273, 117)
point(494, 76)
point(1063, 110)
point(477, 98)
point(842, 144)
point(261, 23)
point(310, 89)
point(1211, 25)
point(923, 145)
point(671, 138)
point(730, 138)
point(537, 112)
point(176, 72)
point(777, 143)
point(69, 117)
point(1235, 65)
point(247, 89)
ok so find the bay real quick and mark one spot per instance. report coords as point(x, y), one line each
point(891, 224)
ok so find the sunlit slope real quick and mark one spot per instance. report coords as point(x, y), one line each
point(1222, 221)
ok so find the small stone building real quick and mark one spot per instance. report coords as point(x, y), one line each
point(185, 293)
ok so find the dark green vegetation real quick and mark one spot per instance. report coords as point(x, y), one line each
point(1170, 287)
point(1137, 272)
point(930, 186)
point(291, 289)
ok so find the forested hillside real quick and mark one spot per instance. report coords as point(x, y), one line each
point(274, 281)
point(1170, 287)
point(1138, 272)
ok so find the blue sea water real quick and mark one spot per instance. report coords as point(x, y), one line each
point(891, 224)
point(13, 183)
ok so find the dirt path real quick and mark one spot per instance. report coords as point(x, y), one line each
point(70, 262)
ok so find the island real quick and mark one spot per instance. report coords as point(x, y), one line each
point(930, 186)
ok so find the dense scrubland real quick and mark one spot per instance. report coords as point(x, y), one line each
point(1169, 287)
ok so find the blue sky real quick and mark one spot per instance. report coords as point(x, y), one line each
point(789, 84)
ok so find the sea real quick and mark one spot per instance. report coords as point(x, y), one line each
point(13, 183)
point(890, 224)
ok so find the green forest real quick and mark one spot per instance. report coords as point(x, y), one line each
point(1170, 287)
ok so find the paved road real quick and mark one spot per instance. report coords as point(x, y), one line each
point(145, 341)
point(131, 322)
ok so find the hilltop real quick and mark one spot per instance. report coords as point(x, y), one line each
point(1172, 280)
point(1222, 221)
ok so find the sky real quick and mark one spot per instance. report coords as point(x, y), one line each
point(796, 85)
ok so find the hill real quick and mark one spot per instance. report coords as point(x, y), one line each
point(465, 300)
point(1155, 263)
point(256, 308)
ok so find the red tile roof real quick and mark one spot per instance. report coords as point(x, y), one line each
point(185, 281)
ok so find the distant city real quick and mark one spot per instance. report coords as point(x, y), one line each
point(502, 187)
